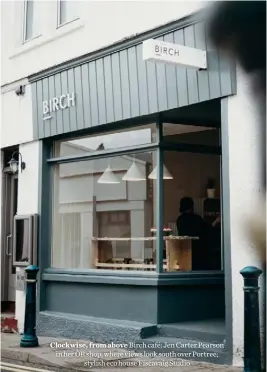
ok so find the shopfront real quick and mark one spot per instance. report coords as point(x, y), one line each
point(129, 150)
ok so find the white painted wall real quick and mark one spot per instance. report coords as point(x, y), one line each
point(101, 23)
point(27, 204)
point(16, 116)
point(245, 194)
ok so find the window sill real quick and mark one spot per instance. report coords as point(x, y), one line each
point(37, 42)
point(97, 277)
point(133, 278)
point(31, 39)
point(59, 26)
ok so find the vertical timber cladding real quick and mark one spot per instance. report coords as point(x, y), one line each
point(121, 85)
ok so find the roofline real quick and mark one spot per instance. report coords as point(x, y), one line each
point(120, 45)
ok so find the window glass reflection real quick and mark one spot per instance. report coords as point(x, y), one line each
point(104, 213)
point(141, 136)
point(191, 134)
point(22, 241)
point(192, 210)
point(32, 19)
point(69, 11)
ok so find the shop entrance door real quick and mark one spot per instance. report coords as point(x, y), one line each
point(9, 203)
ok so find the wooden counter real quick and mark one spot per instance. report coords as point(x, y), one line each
point(178, 252)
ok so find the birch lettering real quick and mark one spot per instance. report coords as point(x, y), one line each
point(58, 103)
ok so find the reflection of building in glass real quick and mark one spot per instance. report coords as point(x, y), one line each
point(101, 224)
point(83, 206)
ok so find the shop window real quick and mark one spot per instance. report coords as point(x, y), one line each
point(191, 134)
point(68, 11)
point(192, 211)
point(104, 212)
point(116, 221)
point(68, 252)
point(141, 136)
point(105, 209)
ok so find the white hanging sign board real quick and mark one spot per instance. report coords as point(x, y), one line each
point(180, 55)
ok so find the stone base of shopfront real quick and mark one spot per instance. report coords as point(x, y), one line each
point(91, 328)
point(161, 310)
point(173, 340)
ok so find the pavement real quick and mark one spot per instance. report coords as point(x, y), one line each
point(76, 355)
point(11, 367)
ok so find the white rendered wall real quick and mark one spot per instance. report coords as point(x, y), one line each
point(101, 23)
point(245, 193)
point(27, 204)
point(16, 116)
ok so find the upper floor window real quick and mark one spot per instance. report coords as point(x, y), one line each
point(31, 22)
point(67, 11)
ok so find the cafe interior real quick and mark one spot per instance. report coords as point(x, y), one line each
point(105, 210)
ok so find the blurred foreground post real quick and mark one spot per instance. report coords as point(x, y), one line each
point(238, 28)
point(29, 338)
point(252, 347)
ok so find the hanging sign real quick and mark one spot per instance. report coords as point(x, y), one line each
point(175, 54)
point(58, 103)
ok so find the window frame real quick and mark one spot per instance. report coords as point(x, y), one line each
point(28, 218)
point(24, 31)
point(159, 146)
point(59, 24)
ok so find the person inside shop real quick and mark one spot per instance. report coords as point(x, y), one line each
point(192, 225)
point(189, 223)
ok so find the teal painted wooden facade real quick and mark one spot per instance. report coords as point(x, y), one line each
point(120, 85)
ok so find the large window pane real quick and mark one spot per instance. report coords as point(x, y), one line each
point(32, 22)
point(191, 134)
point(68, 11)
point(104, 212)
point(131, 137)
point(196, 177)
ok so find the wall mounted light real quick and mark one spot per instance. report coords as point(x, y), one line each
point(16, 164)
point(20, 91)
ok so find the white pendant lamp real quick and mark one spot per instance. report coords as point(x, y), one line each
point(166, 174)
point(135, 173)
point(108, 177)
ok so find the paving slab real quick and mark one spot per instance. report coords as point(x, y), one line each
point(65, 354)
